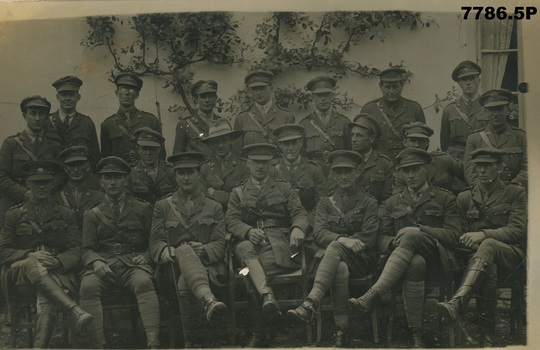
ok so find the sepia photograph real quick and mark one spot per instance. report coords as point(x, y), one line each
point(178, 174)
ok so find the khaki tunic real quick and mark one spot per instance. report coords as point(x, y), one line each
point(187, 139)
point(142, 186)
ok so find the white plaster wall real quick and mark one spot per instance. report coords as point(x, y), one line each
point(35, 53)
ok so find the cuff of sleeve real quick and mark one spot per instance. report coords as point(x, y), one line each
point(246, 236)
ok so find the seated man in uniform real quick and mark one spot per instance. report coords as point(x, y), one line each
point(40, 247)
point(376, 169)
point(77, 193)
point(115, 252)
point(151, 178)
point(444, 171)
point(305, 176)
point(494, 219)
point(419, 230)
point(268, 219)
point(346, 225)
point(225, 170)
point(188, 230)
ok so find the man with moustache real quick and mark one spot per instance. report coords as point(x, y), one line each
point(116, 236)
point(67, 126)
point(419, 230)
point(267, 218)
point(494, 219)
point(346, 225)
point(29, 145)
point(188, 232)
point(376, 169)
point(40, 249)
point(77, 194)
point(464, 116)
point(151, 178)
point(117, 137)
point(325, 127)
point(499, 134)
point(392, 111)
point(444, 171)
point(225, 170)
point(191, 131)
point(259, 120)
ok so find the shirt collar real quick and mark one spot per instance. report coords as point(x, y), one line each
point(33, 135)
point(420, 191)
point(264, 108)
point(290, 165)
point(366, 156)
point(467, 101)
point(121, 200)
point(259, 184)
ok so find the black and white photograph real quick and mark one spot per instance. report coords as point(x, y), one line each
point(235, 174)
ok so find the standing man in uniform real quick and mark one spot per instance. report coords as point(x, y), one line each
point(444, 171)
point(346, 226)
point(117, 137)
point(258, 122)
point(325, 127)
point(77, 194)
point(494, 219)
point(499, 134)
point(151, 178)
point(268, 219)
point(116, 235)
point(304, 175)
point(191, 130)
point(225, 170)
point(376, 169)
point(419, 230)
point(464, 116)
point(69, 127)
point(392, 111)
point(188, 232)
point(40, 247)
point(29, 145)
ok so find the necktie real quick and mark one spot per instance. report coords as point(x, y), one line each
point(116, 208)
point(66, 122)
point(151, 173)
point(324, 120)
point(77, 196)
point(189, 204)
point(36, 145)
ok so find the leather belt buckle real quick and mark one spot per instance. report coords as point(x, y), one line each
point(117, 248)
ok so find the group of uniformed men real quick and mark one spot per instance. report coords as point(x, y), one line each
point(349, 192)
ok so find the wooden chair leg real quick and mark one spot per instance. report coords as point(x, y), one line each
point(391, 318)
point(14, 320)
point(30, 330)
point(319, 323)
point(375, 325)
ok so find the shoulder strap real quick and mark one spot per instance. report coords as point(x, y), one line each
point(64, 199)
point(240, 193)
point(104, 219)
point(389, 123)
point(462, 115)
point(484, 137)
point(126, 132)
point(194, 127)
point(340, 213)
point(258, 125)
point(323, 134)
point(180, 218)
point(26, 150)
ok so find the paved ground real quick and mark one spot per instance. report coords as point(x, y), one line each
point(287, 333)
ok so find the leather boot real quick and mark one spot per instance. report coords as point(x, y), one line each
point(214, 310)
point(366, 303)
point(486, 325)
point(486, 304)
point(44, 329)
point(152, 339)
point(341, 339)
point(257, 340)
point(270, 307)
point(56, 294)
point(305, 312)
point(472, 278)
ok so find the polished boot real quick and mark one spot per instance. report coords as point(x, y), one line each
point(44, 329)
point(486, 304)
point(341, 339)
point(366, 303)
point(486, 325)
point(305, 312)
point(152, 339)
point(214, 310)
point(472, 278)
point(270, 307)
point(52, 291)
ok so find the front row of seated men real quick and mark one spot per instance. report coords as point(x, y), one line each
point(418, 228)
